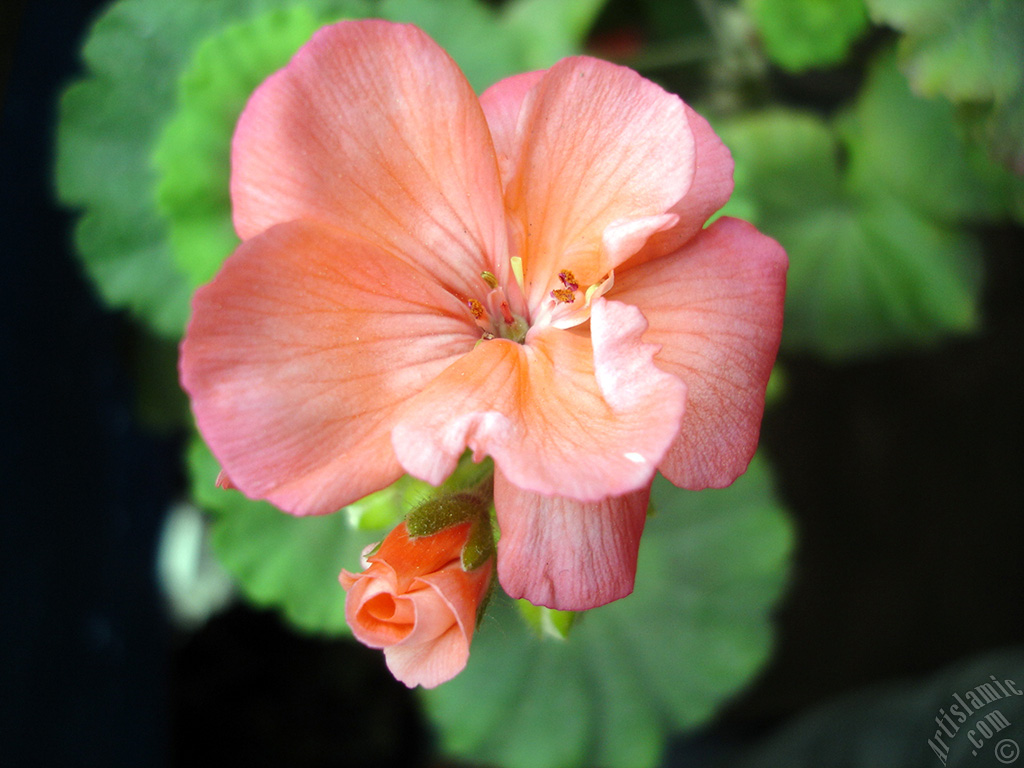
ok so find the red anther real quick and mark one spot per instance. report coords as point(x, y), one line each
point(506, 312)
point(568, 280)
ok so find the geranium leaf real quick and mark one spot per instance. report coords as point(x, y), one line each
point(549, 30)
point(911, 146)
point(965, 49)
point(868, 271)
point(694, 631)
point(491, 44)
point(972, 52)
point(801, 34)
point(481, 46)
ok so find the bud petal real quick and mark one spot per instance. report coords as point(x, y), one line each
point(419, 603)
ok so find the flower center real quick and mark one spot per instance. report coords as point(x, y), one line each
point(494, 315)
point(565, 306)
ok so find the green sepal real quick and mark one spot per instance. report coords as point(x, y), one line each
point(480, 544)
point(547, 622)
point(446, 510)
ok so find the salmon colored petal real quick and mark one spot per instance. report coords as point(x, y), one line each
point(429, 664)
point(461, 591)
point(374, 129)
point(377, 616)
point(596, 144)
point(414, 557)
point(502, 104)
point(715, 307)
point(558, 415)
point(711, 189)
point(423, 618)
point(449, 597)
point(564, 553)
point(300, 352)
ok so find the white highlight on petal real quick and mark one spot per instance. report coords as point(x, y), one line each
point(635, 457)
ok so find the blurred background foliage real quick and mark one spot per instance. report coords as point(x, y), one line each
point(880, 141)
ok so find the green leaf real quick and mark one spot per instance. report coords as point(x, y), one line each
point(549, 30)
point(912, 147)
point(489, 44)
point(965, 49)
point(868, 272)
point(382, 510)
point(874, 275)
point(801, 34)
point(109, 122)
point(484, 49)
point(972, 52)
point(693, 633)
point(890, 726)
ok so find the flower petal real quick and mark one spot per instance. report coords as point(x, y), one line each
point(715, 307)
point(563, 414)
point(373, 128)
point(416, 556)
point(450, 595)
point(596, 144)
point(429, 664)
point(378, 616)
point(502, 104)
point(567, 554)
point(298, 355)
point(711, 188)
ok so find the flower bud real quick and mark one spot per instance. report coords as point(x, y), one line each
point(420, 596)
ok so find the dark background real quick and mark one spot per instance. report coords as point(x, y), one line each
point(902, 472)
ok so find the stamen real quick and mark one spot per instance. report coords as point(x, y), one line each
point(517, 271)
point(489, 278)
point(476, 308)
point(563, 295)
point(568, 280)
point(506, 313)
point(599, 289)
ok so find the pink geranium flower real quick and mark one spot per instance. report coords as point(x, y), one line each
point(418, 603)
point(524, 275)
